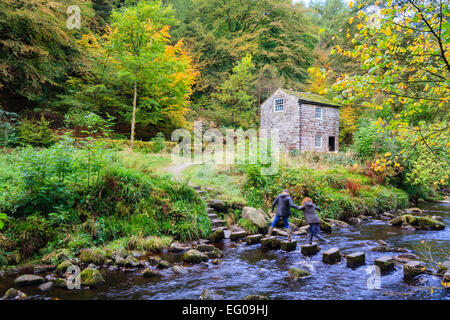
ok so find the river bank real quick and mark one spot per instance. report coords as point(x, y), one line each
point(251, 270)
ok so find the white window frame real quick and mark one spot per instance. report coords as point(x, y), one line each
point(321, 113)
point(315, 141)
point(275, 105)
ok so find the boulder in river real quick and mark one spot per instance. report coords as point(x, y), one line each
point(420, 223)
point(88, 256)
point(214, 254)
point(288, 245)
point(443, 267)
point(150, 273)
point(236, 235)
point(331, 256)
point(207, 295)
point(217, 235)
point(446, 278)
point(338, 223)
point(91, 277)
point(310, 249)
point(385, 264)
point(43, 268)
point(297, 273)
point(205, 247)
point(271, 242)
point(131, 262)
point(413, 268)
point(325, 226)
point(179, 270)
point(179, 247)
point(356, 259)
point(354, 221)
point(163, 264)
point(413, 211)
point(253, 239)
point(47, 286)
point(194, 256)
point(256, 216)
point(29, 280)
point(14, 294)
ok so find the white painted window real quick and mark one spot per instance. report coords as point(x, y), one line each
point(278, 105)
point(318, 113)
point(318, 142)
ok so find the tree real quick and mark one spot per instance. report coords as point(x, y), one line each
point(135, 60)
point(234, 94)
point(402, 46)
point(37, 50)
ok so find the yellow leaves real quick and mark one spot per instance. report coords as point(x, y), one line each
point(350, 4)
point(350, 21)
point(387, 154)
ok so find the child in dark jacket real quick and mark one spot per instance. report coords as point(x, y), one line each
point(312, 219)
point(283, 203)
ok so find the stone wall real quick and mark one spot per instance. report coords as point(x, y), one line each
point(327, 127)
point(292, 134)
point(287, 121)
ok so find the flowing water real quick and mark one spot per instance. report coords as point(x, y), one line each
point(247, 270)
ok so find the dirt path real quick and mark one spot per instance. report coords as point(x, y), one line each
point(177, 170)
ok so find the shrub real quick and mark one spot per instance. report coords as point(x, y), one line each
point(35, 133)
point(248, 226)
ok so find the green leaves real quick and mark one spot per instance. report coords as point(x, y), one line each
point(3, 217)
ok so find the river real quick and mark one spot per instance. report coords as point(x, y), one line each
point(247, 270)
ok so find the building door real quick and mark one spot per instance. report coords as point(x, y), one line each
point(331, 144)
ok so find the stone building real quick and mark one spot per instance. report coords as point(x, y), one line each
point(305, 121)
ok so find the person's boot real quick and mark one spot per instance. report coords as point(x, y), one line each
point(289, 234)
point(269, 234)
point(311, 238)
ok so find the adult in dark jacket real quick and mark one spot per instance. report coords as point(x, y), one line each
point(312, 219)
point(283, 203)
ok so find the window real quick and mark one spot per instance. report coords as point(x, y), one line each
point(318, 113)
point(278, 105)
point(318, 142)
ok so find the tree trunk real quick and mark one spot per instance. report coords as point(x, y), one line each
point(133, 120)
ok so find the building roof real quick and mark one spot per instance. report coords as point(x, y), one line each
point(311, 98)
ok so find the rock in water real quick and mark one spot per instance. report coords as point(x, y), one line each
point(91, 277)
point(194, 256)
point(253, 239)
point(443, 267)
point(446, 278)
point(331, 256)
point(288, 245)
point(217, 236)
point(325, 226)
point(255, 216)
point(356, 259)
point(413, 210)
point(256, 297)
point(216, 253)
point(43, 268)
point(297, 273)
point(149, 273)
point(178, 247)
point(88, 256)
point(413, 268)
point(63, 266)
point(205, 248)
point(309, 249)
point(207, 295)
point(46, 286)
point(385, 264)
point(29, 280)
point(163, 264)
point(237, 235)
point(271, 243)
point(179, 270)
point(14, 294)
point(420, 223)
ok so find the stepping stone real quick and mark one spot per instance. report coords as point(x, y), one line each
point(217, 223)
point(288, 245)
point(413, 268)
point(219, 205)
point(356, 259)
point(446, 278)
point(271, 243)
point(237, 235)
point(309, 249)
point(213, 216)
point(197, 187)
point(217, 235)
point(253, 239)
point(200, 192)
point(385, 264)
point(211, 210)
point(331, 256)
point(29, 280)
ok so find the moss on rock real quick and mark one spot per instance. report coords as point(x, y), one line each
point(91, 277)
